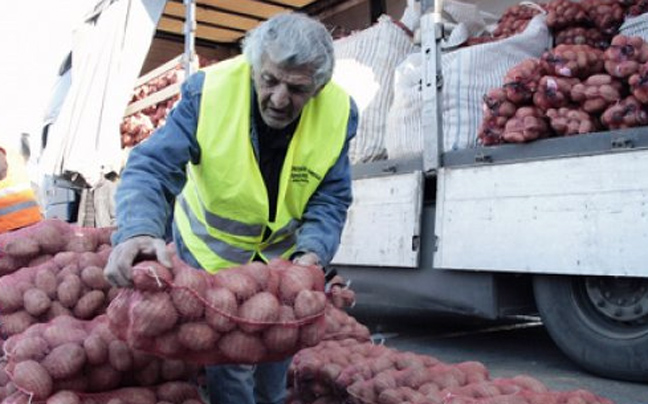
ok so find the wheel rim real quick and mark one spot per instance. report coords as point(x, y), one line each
point(617, 307)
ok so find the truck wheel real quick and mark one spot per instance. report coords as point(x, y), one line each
point(601, 323)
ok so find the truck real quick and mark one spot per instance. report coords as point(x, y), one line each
point(555, 228)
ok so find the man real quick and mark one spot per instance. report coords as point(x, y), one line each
point(251, 164)
point(18, 204)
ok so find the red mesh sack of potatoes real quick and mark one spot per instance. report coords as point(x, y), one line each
point(314, 372)
point(82, 356)
point(503, 391)
point(34, 244)
point(68, 283)
point(6, 387)
point(341, 326)
point(176, 392)
point(248, 314)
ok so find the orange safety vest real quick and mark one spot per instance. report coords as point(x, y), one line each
point(18, 204)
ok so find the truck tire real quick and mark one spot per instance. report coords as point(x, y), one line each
point(601, 323)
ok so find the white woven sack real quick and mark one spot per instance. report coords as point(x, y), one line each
point(635, 26)
point(468, 74)
point(364, 67)
point(404, 137)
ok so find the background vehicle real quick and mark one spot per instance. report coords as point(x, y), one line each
point(555, 228)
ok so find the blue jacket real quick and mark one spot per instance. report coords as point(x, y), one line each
point(155, 174)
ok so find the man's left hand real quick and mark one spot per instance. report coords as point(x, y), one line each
point(307, 259)
point(340, 294)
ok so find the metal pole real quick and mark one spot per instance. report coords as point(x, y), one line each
point(189, 58)
point(432, 125)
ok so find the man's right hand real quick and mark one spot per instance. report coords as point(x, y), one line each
point(118, 270)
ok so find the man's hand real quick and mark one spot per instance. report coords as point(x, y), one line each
point(340, 294)
point(307, 259)
point(118, 270)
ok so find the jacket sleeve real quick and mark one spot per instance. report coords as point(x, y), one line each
point(155, 171)
point(326, 211)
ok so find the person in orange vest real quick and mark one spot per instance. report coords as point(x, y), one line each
point(18, 204)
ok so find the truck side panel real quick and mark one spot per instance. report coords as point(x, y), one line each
point(590, 212)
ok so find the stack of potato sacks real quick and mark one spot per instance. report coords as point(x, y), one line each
point(354, 372)
point(68, 336)
point(593, 79)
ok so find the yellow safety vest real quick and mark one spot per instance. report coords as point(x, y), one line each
point(18, 204)
point(222, 212)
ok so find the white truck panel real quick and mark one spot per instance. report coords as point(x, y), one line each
point(383, 223)
point(584, 215)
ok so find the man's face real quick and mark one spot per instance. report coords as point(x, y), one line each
point(282, 93)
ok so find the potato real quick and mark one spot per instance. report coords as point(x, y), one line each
point(134, 395)
point(60, 333)
point(45, 280)
point(168, 344)
point(153, 316)
point(89, 304)
point(22, 247)
point(27, 347)
point(15, 323)
point(119, 356)
point(258, 271)
point(9, 264)
point(282, 337)
point(309, 303)
point(475, 371)
point(65, 258)
point(189, 287)
point(51, 235)
point(197, 336)
point(176, 391)
point(221, 302)
point(39, 260)
point(65, 360)
point(239, 347)
point(30, 376)
point(242, 285)
point(173, 369)
point(141, 359)
point(151, 276)
point(530, 383)
point(90, 259)
point(57, 310)
point(81, 242)
point(96, 350)
point(258, 312)
point(64, 397)
point(93, 277)
point(148, 375)
point(10, 298)
point(293, 281)
point(36, 301)
point(69, 291)
point(103, 377)
point(312, 334)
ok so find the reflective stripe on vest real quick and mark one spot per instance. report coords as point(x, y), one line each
point(18, 205)
point(223, 210)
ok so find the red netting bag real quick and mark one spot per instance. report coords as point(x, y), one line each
point(82, 356)
point(67, 283)
point(176, 392)
point(248, 314)
point(34, 244)
point(314, 372)
point(340, 325)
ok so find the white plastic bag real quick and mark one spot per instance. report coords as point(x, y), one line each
point(364, 67)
